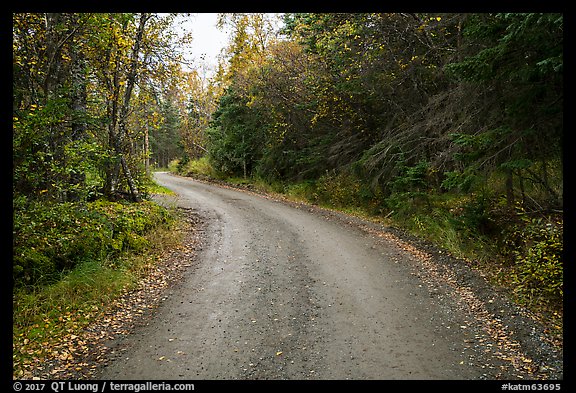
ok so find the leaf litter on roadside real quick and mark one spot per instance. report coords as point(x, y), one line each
point(79, 347)
point(496, 339)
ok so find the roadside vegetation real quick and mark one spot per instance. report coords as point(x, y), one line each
point(447, 125)
point(70, 261)
point(516, 249)
point(92, 110)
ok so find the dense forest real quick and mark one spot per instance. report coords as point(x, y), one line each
point(448, 125)
point(400, 102)
point(451, 125)
point(98, 100)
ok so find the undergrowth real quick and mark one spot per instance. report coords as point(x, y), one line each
point(109, 246)
point(515, 248)
point(52, 239)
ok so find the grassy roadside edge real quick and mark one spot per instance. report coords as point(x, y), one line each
point(432, 227)
point(50, 321)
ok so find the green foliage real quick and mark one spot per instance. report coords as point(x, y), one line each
point(443, 225)
point(48, 317)
point(459, 181)
point(409, 188)
point(234, 138)
point(76, 113)
point(341, 190)
point(36, 165)
point(200, 167)
point(475, 216)
point(441, 122)
point(535, 246)
point(174, 165)
point(411, 179)
point(165, 140)
point(517, 59)
point(303, 191)
point(50, 239)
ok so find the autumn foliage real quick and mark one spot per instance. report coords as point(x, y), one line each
point(451, 124)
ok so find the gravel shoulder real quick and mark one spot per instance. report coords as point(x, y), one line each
point(277, 290)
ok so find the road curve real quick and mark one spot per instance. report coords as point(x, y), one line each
point(281, 293)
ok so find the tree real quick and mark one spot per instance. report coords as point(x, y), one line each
point(119, 72)
point(197, 110)
point(518, 61)
point(251, 35)
point(75, 77)
point(50, 120)
point(235, 136)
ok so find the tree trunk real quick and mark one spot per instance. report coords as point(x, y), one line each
point(131, 184)
point(509, 188)
point(117, 139)
point(146, 151)
point(130, 81)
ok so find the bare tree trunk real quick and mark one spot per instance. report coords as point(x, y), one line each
point(131, 184)
point(146, 151)
point(131, 80)
point(118, 138)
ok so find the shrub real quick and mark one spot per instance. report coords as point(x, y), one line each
point(475, 215)
point(199, 167)
point(340, 190)
point(174, 165)
point(50, 239)
point(409, 189)
point(304, 191)
point(535, 246)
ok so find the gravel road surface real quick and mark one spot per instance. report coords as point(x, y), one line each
point(280, 291)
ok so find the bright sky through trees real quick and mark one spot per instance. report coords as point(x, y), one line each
point(207, 40)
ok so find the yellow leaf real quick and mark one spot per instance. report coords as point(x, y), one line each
point(278, 353)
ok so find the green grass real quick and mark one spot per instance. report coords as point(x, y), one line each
point(71, 260)
point(46, 316)
point(155, 188)
point(476, 226)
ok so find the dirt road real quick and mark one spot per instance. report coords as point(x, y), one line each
point(281, 292)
